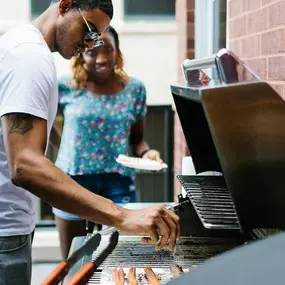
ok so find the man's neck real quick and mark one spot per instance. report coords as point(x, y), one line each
point(46, 24)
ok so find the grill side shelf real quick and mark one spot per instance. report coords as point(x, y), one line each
point(211, 200)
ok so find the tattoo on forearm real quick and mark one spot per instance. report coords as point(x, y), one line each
point(20, 123)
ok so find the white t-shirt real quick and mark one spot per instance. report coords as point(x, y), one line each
point(28, 84)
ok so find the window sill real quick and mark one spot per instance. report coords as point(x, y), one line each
point(145, 27)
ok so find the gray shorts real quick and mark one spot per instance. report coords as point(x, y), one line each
point(15, 260)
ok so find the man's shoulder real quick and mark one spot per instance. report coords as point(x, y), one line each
point(24, 51)
point(24, 42)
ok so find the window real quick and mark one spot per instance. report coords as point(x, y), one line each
point(38, 7)
point(149, 8)
point(210, 30)
point(210, 27)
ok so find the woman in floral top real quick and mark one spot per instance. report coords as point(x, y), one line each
point(103, 115)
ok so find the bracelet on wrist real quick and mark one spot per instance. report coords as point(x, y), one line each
point(144, 152)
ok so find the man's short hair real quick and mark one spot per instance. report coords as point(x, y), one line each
point(105, 6)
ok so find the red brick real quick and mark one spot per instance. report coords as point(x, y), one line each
point(238, 27)
point(180, 77)
point(185, 40)
point(257, 21)
point(182, 49)
point(190, 30)
point(251, 46)
point(180, 151)
point(191, 53)
point(190, 4)
point(177, 160)
point(235, 8)
point(269, 61)
point(191, 16)
point(277, 14)
point(276, 68)
point(236, 47)
point(190, 43)
point(259, 66)
point(265, 2)
point(273, 42)
point(250, 5)
point(279, 88)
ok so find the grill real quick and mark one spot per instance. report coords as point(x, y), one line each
point(211, 200)
point(218, 217)
point(131, 252)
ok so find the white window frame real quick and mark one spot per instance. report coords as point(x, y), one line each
point(207, 29)
point(204, 36)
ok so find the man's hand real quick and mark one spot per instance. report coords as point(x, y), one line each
point(153, 155)
point(153, 222)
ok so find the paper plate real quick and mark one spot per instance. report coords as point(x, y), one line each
point(140, 163)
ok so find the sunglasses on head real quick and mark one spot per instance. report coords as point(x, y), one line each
point(90, 35)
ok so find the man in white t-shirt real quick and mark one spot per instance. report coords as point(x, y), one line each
point(28, 105)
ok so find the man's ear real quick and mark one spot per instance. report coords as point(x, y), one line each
point(64, 6)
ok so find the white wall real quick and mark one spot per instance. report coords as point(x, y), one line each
point(152, 58)
point(13, 13)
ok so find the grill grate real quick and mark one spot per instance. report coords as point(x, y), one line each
point(131, 252)
point(212, 201)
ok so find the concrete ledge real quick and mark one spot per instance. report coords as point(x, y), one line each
point(46, 247)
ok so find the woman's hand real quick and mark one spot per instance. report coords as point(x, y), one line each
point(153, 155)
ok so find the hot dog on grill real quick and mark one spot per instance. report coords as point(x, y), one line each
point(151, 277)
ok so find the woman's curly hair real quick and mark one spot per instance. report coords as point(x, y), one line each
point(80, 73)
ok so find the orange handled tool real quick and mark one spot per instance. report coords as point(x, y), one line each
point(88, 269)
point(62, 269)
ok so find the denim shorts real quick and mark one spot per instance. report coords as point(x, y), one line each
point(15, 260)
point(120, 189)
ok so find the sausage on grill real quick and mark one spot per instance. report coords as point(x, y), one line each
point(119, 276)
point(151, 277)
point(176, 270)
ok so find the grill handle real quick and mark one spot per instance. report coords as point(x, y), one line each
point(188, 66)
point(200, 63)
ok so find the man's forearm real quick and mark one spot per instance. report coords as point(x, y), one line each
point(41, 177)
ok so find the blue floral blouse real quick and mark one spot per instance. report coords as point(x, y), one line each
point(97, 128)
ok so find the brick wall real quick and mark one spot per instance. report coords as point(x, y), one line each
point(257, 35)
point(185, 28)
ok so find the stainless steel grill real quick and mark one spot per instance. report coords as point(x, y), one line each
point(131, 252)
point(211, 200)
point(210, 224)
